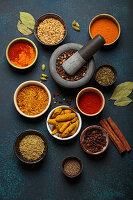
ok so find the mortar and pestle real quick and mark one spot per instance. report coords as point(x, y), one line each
point(76, 61)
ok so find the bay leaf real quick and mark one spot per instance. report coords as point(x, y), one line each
point(120, 92)
point(23, 29)
point(123, 101)
point(27, 19)
point(126, 84)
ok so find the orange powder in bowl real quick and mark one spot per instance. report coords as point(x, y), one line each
point(106, 28)
point(22, 54)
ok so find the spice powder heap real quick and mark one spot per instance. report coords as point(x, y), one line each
point(105, 76)
point(31, 147)
point(51, 31)
point(22, 54)
point(61, 59)
point(106, 28)
point(72, 167)
point(32, 100)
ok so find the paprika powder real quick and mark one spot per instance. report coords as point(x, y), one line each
point(22, 54)
point(90, 103)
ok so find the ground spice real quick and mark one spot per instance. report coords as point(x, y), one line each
point(106, 28)
point(32, 99)
point(90, 103)
point(105, 76)
point(51, 31)
point(94, 140)
point(72, 167)
point(31, 147)
point(61, 59)
point(22, 54)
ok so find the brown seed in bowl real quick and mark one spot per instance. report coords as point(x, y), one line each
point(51, 31)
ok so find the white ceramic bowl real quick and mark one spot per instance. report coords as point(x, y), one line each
point(24, 84)
point(49, 127)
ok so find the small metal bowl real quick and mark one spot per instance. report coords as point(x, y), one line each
point(114, 71)
point(20, 137)
point(21, 40)
point(42, 18)
point(24, 84)
point(104, 133)
point(106, 16)
point(71, 158)
point(86, 90)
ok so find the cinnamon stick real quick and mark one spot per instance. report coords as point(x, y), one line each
point(112, 136)
point(119, 134)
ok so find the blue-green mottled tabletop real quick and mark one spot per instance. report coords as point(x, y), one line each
point(106, 177)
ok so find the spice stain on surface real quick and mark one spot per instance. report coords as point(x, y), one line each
point(22, 54)
point(106, 28)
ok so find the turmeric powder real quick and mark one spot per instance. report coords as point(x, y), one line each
point(106, 28)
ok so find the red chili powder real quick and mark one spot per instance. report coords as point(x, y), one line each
point(90, 103)
point(22, 54)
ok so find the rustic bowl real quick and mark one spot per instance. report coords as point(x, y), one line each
point(42, 18)
point(106, 16)
point(112, 68)
point(57, 78)
point(21, 40)
point(24, 84)
point(71, 158)
point(49, 127)
point(90, 89)
point(20, 137)
point(104, 133)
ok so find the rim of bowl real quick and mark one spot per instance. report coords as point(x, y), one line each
point(50, 15)
point(104, 15)
point(109, 66)
point(91, 89)
point(24, 84)
point(15, 41)
point(97, 127)
point(25, 133)
point(69, 158)
point(70, 137)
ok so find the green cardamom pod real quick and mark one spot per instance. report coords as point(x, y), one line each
point(43, 78)
point(74, 23)
point(77, 25)
point(44, 75)
point(75, 28)
point(43, 67)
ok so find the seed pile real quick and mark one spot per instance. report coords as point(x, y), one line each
point(72, 167)
point(31, 147)
point(105, 76)
point(51, 31)
point(61, 59)
point(32, 99)
point(94, 140)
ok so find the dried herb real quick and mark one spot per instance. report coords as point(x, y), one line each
point(27, 19)
point(121, 92)
point(23, 29)
point(123, 101)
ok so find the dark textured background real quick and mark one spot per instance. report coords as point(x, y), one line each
point(105, 177)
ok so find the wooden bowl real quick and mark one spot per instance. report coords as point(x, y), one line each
point(21, 40)
point(71, 158)
point(106, 16)
point(24, 84)
point(112, 68)
point(83, 135)
point(20, 137)
point(46, 16)
point(90, 89)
